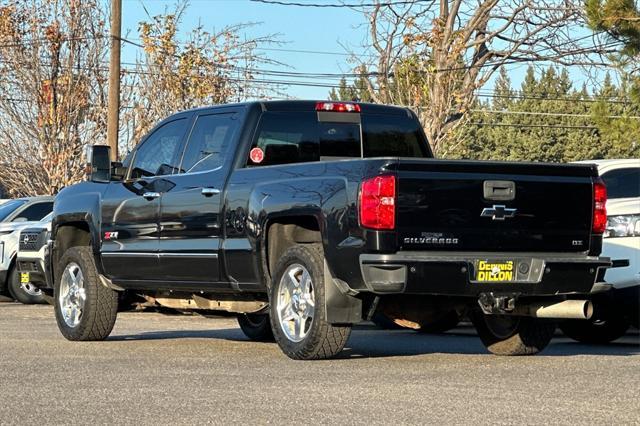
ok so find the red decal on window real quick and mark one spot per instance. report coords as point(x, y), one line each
point(256, 155)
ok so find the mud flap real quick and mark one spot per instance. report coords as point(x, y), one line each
point(340, 307)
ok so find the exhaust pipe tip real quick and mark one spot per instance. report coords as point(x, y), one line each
point(588, 309)
point(567, 309)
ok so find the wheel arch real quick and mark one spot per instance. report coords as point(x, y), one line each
point(74, 233)
point(282, 232)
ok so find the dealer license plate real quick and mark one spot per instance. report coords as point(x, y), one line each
point(24, 278)
point(495, 271)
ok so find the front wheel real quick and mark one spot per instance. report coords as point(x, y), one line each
point(298, 317)
point(513, 335)
point(25, 293)
point(85, 308)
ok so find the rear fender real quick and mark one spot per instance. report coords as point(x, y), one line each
point(324, 199)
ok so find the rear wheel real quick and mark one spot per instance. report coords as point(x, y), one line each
point(25, 293)
point(601, 331)
point(85, 308)
point(298, 317)
point(513, 335)
point(256, 327)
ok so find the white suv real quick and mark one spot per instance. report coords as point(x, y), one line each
point(619, 307)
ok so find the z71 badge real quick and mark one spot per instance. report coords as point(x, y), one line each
point(110, 236)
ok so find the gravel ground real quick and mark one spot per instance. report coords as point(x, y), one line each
point(160, 369)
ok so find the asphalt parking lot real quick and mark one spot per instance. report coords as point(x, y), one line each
point(160, 369)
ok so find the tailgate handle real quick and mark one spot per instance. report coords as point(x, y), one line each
point(499, 190)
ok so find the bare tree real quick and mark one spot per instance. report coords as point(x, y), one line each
point(435, 55)
point(52, 91)
point(209, 69)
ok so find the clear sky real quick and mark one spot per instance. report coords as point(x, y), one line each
point(325, 30)
point(300, 28)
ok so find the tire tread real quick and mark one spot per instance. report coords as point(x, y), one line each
point(101, 305)
point(327, 340)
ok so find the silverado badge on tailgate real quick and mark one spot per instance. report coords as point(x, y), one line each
point(498, 271)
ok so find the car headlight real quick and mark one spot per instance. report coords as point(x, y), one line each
point(623, 226)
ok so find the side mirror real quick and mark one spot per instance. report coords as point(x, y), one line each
point(98, 165)
point(118, 171)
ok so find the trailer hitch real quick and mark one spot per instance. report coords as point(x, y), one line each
point(503, 303)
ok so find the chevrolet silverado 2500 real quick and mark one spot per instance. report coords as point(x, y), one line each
point(304, 218)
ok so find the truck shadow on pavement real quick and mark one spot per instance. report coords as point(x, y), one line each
point(368, 343)
point(407, 343)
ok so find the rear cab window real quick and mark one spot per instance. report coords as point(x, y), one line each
point(306, 136)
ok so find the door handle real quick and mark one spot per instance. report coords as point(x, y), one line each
point(151, 195)
point(208, 192)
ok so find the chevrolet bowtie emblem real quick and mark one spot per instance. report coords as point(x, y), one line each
point(498, 212)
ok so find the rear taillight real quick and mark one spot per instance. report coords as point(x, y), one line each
point(337, 107)
point(599, 206)
point(378, 202)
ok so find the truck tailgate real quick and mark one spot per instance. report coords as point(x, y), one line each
point(494, 206)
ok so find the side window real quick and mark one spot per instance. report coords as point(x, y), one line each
point(622, 183)
point(34, 212)
point(158, 153)
point(209, 142)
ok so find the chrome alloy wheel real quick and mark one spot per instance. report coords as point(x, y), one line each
point(31, 289)
point(72, 294)
point(296, 303)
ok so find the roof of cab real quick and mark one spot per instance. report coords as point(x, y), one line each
point(305, 105)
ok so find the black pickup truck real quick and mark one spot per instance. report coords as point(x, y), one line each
point(304, 218)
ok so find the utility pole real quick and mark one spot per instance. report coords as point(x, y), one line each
point(114, 79)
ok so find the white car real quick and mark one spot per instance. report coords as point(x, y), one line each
point(31, 254)
point(619, 308)
point(16, 215)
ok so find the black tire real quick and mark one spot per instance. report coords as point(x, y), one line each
point(100, 309)
point(600, 332)
point(256, 327)
point(322, 339)
point(448, 321)
point(21, 294)
point(512, 335)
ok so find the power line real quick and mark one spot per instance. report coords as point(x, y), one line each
point(548, 114)
point(366, 74)
point(553, 98)
point(36, 41)
point(547, 126)
point(341, 5)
